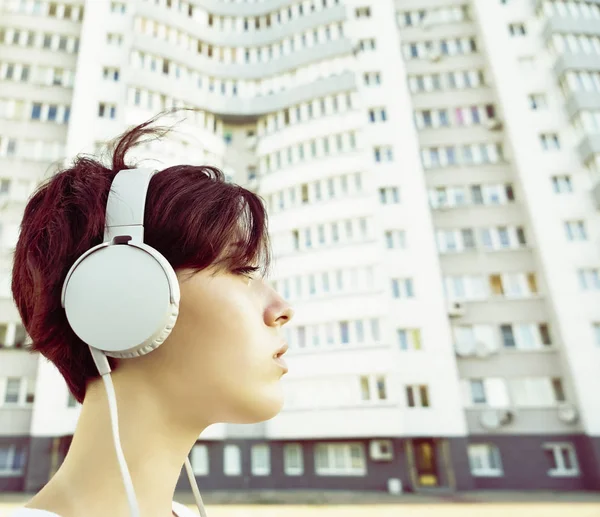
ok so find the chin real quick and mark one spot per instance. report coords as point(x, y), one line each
point(260, 409)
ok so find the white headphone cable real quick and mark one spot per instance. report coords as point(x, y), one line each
point(104, 370)
point(194, 485)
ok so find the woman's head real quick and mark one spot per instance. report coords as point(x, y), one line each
point(213, 233)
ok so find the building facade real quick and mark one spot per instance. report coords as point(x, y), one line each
point(431, 170)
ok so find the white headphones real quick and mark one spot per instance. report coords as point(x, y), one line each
point(121, 297)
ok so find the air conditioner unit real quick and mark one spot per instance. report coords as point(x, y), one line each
point(493, 124)
point(456, 309)
point(434, 55)
point(381, 450)
point(495, 418)
point(596, 194)
point(568, 413)
point(465, 349)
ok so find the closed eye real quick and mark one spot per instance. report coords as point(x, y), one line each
point(247, 271)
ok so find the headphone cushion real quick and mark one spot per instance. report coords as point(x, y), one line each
point(159, 340)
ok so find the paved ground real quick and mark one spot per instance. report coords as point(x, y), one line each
point(471, 504)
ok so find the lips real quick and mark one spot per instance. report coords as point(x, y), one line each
point(281, 362)
point(277, 357)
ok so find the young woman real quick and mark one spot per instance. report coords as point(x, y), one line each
point(219, 363)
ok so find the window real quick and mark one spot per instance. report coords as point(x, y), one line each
point(199, 460)
point(402, 288)
point(375, 329)
point(383, 154)
point(545, 334)
point(107, 110)
point(491, 392)
point(517, 29)
point(113, 38)
point(575, 231)
point(477, 195)
point(261, 460)
point(373, 388)
point(562, 184)
point(538, 101)
point(30, 393)
point(293, 460)
point(409, 339)
point(111, 74)
point(52, 112)
point(381, 388)
point(117, 7)
point(36, 111)
point(377, 115)
point(395, 239)
point(344, 332)
point(367, 44)
point(496, 287)
point(484, 460)
point(478, 392)
point(389, 195)
point(3, 329)
point(537, 391)
point(372, 78)
point(71, 401)
point(301, 330)
point(596, 331)
point(508, 338)
point(468, 238)
point(550, 141)
point(11, 147)
point(558, 390)
point(340, 459)
point(363, 12)
point(561, 459)
point(232, 462)
point(12, 460)
point(13, 390)
point(589, 279)
point(417, 396)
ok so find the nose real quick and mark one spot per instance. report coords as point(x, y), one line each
point(286, 314)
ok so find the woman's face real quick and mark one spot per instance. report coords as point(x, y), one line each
point(218, 362)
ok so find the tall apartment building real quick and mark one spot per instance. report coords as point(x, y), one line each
point(431, 170)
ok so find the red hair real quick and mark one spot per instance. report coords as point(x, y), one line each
point(193, 217)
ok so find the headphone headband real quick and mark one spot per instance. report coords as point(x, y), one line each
point(126, 204)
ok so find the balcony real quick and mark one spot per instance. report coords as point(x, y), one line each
point(233, 8)
point(245, 71)
point(16, 421)
point(567, 62)
point(582, 101)
point(588, 147)
point(252, 38)
point(240, 109)
point(570, 25)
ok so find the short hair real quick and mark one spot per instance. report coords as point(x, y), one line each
point(193, 217)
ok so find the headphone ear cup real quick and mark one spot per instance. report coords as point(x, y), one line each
point(122, 299)
point(159, 340)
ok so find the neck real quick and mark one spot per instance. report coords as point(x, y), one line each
point(155, 446)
